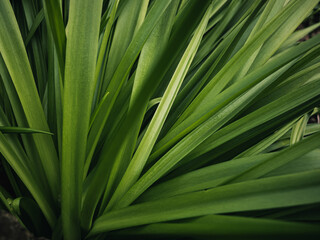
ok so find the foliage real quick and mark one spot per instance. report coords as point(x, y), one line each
point(160, 118)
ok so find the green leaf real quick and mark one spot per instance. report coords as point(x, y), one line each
point(91, 200)
point(16, 59)
point(217, 174)
point(12, 177)
point(142, 153)
point(21, 130)
point(297, 35)
point(160, 119)
point(153, 102)
point(29, 212)
point(280, 159)
point(25, 149)
point(122, 72)
point(102, 50)
point(125, 139)
point(307, 162)
point(203, 178)
point(81, 54)
point(36, 188)
point(53, 15)
point(189, 143)
point(3, 199)
point(211, 107)
point(224, 227)
point(298, 129)
point(220, 81)
point(273, 192)
point(283, 105)
point(128, 23)
point(37, 56)
point(266, 142)
point(39, 18)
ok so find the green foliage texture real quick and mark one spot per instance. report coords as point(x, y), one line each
point(164, 119)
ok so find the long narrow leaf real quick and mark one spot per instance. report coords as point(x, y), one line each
point(284, 191)
point(81, 54)
point(139, 159)
point(15, 57)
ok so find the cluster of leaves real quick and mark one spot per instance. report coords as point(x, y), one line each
point(160, 118)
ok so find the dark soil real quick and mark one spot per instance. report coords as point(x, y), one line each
point(11, 229)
